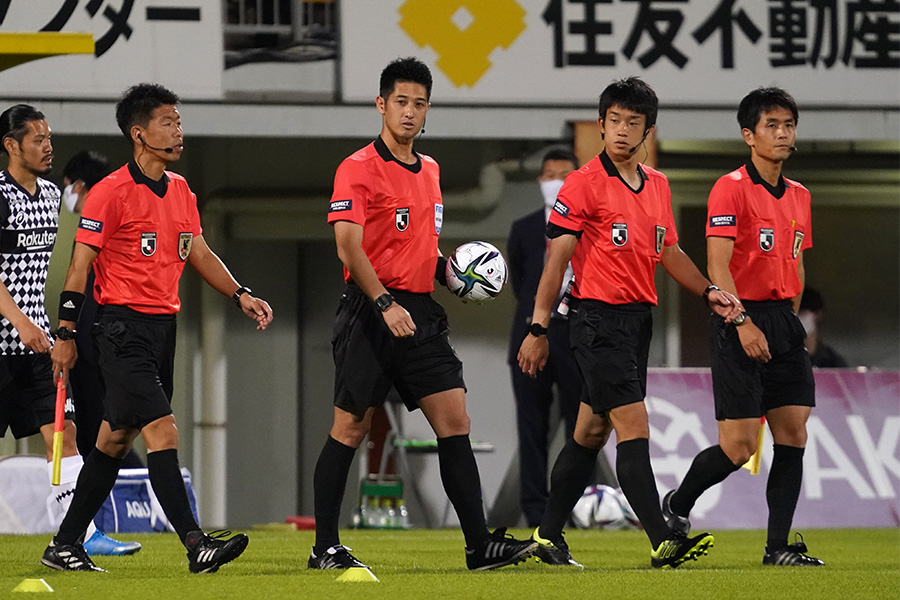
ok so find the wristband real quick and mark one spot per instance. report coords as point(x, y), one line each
point(440, 272)
point(70, 304)
point(240, 292)
point(64, 333)
point(706, 292)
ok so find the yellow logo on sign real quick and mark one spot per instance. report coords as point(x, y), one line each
point(463, 33)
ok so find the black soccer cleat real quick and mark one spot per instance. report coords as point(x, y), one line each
point(336, 557)
point(676, 523)
point(553, 551)
point(68, 558)
point(498, 550)
point(792, 555)
point(207, 552)
point(677, 549)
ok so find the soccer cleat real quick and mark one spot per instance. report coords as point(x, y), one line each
point(101, 544)
point(553, 552)
point(336, 557)
point(792, 555)
point(207, 552)
point(677, 549)
point(676, 523)
point(498, 550)
point(68, 558)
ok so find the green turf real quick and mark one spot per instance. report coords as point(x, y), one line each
point(419, 565)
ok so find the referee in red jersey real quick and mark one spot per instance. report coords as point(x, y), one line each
point(759, 225)
point(387, 214)
point(138, 228)
point(613, 220)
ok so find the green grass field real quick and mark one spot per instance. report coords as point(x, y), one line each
point(421, 564)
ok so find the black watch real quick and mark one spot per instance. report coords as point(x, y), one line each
point(537, 330)
point(384, 301)
point(64, 333)
point(240, 292)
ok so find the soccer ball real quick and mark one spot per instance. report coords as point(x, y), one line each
point(476, 271)
point(600, 507)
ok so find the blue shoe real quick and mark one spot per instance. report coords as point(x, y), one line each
point(101, 544)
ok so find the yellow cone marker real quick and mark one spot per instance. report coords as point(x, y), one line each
point(359, 574)
point(33, 585)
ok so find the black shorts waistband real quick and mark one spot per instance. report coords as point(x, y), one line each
point(630, 307)
point(117, 311)
point(766, 304)
point(352, 288)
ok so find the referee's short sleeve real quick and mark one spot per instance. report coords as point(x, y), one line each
point(100, 216)
point(351, 195)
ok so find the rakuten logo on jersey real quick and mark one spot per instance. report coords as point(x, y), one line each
point(35, 240)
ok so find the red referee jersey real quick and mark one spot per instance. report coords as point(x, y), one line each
point(400, 209)
point(144, 238)
point(623, 231)
point(770, 228)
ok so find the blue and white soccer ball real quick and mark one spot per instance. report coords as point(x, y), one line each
point(603, 507)
point(476, 271)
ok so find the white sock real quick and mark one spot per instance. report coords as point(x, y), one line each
point(60, 497)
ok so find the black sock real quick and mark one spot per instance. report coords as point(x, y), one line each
point(709, 467)
point(782, 493)
point(95, 482)
point(329, 482)
point(459, 474)
point(571, 473)
point(168, 485)
point(636, 478)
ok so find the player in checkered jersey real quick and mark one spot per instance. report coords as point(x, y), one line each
point(29, 214)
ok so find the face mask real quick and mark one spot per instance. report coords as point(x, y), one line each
point(808, 320)
point(70, 198)
point(550, 189)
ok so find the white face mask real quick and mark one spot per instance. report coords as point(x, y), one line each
point(70, 198)
point(808, 320)
point(549, 189)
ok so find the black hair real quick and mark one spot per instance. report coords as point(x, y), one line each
point(560, 154)
point(409, 69)
point(812, 300)
point(14, 122)
point(631, 93)
point(88, 166)
point(763, 100)
point(137, 104)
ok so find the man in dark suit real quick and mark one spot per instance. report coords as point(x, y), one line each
point(526, 251)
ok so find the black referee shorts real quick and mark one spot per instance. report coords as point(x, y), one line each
point(28, 394)
point(136, 354)
point(611, 343)
point(369, 359)
point(746, 389)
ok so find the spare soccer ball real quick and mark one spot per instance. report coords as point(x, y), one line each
point(476, 271)
point(599, 508)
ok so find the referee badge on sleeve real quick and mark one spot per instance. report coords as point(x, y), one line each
point(798, 243)
point(148, 243)
point(185, 241)
point(660, 238)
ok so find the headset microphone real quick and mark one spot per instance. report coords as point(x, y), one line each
point(793, 149)
point(635, 147)
point(168, 150)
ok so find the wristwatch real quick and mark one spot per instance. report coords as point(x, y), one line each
point(64, 333)
point(537, 330)
point(384, 301)
point(739, 320)
point(240, 292)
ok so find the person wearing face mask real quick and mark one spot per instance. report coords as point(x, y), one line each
point(526, 251)
point(811, 313)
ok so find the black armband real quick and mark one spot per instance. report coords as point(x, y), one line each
point(70, 304)
point(554, 231)
point(440, 272)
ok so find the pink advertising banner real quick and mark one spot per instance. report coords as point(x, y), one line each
point(851, 467)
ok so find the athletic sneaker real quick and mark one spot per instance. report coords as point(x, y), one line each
point(792, 555)
point(101, 544)
point(498, 550)
point(68, 558)
point(207, 552)
point(676, 523)
point(553, 551)
point(677, 549)
point(336, 557)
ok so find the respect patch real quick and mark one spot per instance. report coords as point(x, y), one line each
point(340, 206)
point(723, 221)
point(90, 225)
